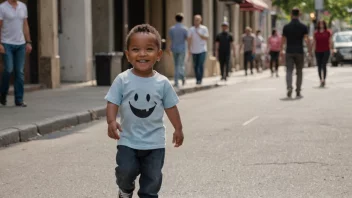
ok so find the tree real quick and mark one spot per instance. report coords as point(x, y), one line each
point(338, 9)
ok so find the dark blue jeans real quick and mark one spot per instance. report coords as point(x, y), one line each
point(14, 59)
point(322, 60)
point(179, 60)
point(248, 57)
point(147, 163)
point(198, 61)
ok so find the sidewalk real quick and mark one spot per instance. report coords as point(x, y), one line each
point(52, 110)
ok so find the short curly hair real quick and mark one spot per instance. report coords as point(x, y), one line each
point(144, 28)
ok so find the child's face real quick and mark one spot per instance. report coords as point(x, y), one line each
point(143, 51)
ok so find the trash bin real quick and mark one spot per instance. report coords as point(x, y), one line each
point(107, 67)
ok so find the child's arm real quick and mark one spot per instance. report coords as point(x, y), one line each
point(111, 113)
point(174, 117)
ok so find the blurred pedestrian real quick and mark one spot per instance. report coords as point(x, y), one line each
point(274, 46)
point(259, 40)
point(248, 45)
point(197, 44)
point(323, 44)
point(293, 35)
point(15, 43)
point(178, 35)
point(224, 44)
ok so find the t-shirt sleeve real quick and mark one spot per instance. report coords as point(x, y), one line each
point(190, 33)
point(1, 14)
point(206, 32)
point(231, 38)
point(115, 92)
point(170, 34)
point(217, 39)
point(305, 32)
point(185, 33)
point(25, 12)
point(284, 32)
point(170, 97)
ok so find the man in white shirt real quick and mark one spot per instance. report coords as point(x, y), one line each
point(197, 46)
point(259, 51)
point(15, 42)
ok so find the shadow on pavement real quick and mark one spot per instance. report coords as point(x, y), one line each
point(318, 87)
point(291, 99)
point(8, 107)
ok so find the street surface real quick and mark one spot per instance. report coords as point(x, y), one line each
point(242, 140)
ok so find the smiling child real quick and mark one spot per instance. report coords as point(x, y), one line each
point(141, 95)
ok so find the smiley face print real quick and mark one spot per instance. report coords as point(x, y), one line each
point(142, 105)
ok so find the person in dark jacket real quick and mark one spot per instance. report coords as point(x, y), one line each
point(224, 44)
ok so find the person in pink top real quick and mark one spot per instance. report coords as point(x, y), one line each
point(323, 44)
point(274, 47)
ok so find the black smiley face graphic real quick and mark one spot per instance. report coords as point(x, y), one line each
point(142, 113)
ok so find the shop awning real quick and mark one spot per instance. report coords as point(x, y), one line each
point(252, 5)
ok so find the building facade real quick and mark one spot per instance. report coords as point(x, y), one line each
point(66, 34)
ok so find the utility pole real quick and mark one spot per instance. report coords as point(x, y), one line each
point(319, 7)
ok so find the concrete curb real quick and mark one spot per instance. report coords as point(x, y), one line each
point(195, 89)
point(25, 133)
point(9, 136)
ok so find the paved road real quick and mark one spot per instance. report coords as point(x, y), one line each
point(243, 140)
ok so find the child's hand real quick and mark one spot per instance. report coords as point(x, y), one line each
point(178, 138)
point(112, 130)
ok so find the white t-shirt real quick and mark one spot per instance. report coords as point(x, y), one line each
point(12, 23)
point(198, 45)
point(258, 44)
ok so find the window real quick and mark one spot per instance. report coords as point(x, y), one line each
point(343, 38)
point(59, 18)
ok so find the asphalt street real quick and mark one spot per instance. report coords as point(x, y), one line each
point(242, 140)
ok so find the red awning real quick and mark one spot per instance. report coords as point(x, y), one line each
point(252, 5)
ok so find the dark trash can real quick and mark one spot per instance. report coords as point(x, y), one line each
point(107, 67)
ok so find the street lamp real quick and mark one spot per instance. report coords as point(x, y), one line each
point(312, 15)
point(313, 18)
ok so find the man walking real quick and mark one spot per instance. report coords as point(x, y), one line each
point(259, 51)
point(224, 43)
point(15, 42)
point(293, 34)
point(178, 35)
point(197, 44)
point(248, 43)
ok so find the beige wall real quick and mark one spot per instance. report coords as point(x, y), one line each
point(49, 61)
point(75, 42)
point(236, 21)
point(103, 25)
point(208, 21)
point(155, 14)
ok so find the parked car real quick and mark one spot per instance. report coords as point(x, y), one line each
point(342, 42)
